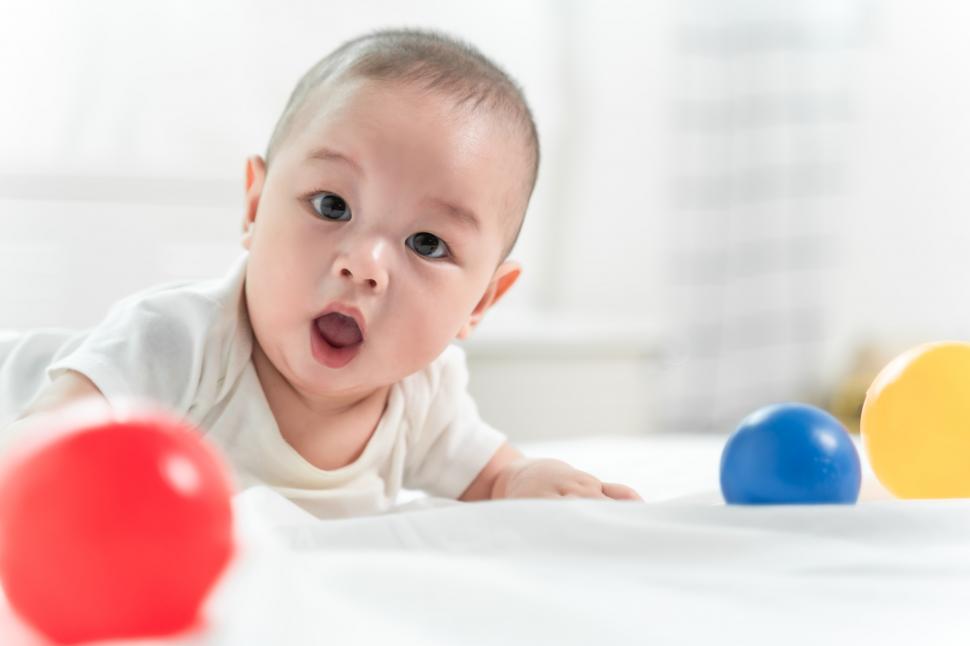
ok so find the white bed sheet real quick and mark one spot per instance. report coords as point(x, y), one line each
point(683, 569)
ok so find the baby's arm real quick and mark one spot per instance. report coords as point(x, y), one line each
point(65, 389)
point(509, 474)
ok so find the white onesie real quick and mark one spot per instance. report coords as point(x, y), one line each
point(188, 347)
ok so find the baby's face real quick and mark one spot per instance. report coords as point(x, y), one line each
point(389, 205)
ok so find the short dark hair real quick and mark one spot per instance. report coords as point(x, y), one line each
point(431, 59)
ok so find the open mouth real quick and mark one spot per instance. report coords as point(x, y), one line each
point(335, 339)
point(338, 330)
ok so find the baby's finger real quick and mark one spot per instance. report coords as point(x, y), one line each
point(584, 493)
point(620, 492)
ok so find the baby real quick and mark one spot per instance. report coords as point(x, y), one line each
point(377, 230)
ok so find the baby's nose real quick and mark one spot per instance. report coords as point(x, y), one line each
point(364, 264)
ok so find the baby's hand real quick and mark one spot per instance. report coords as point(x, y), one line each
point(555, 479)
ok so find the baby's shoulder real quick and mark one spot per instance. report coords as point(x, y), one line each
point(205, 295)
point(163, 310)
point(173, 323)
point(178, 303)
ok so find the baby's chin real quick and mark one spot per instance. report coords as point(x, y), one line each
point(358, 378)
point(337, 385)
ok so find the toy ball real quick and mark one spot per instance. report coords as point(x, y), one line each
point(916, 422)
point(790, 454)
point(112, 525)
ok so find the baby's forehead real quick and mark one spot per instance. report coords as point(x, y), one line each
point(375, 115)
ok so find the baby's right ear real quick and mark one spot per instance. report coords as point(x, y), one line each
point(255, 174)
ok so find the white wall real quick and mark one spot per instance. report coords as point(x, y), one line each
point(907, 227)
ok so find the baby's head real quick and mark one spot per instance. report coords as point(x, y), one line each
point(393, 189)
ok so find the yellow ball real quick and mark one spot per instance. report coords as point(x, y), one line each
point(916, 422)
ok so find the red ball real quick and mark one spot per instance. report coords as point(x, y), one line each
point(113, 526)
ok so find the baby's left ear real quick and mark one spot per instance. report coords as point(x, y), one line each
point(503, 278)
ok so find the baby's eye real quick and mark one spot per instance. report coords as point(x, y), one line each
point(330, 206)
point(428, 245)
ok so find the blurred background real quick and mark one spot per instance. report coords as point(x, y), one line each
point(741, 202)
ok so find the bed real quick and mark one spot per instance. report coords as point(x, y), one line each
point(682, 568)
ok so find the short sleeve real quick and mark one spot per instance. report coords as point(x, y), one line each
point(149, 347)
point(449, 444)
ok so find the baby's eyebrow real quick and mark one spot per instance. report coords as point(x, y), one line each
point(327, 154)
point(466, 216)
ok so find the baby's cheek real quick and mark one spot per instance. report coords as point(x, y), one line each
point(429, 335)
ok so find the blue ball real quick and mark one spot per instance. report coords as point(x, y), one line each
point(790, 454)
